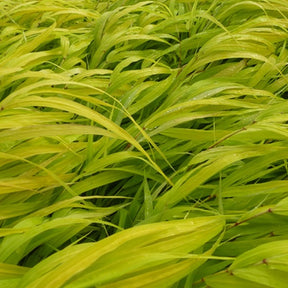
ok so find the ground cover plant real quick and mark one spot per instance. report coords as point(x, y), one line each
point(143, 143)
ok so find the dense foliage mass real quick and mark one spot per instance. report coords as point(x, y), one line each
point(143, 144)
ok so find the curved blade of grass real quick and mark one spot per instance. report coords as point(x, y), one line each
point(141, 237)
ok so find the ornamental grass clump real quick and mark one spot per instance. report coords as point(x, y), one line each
point(143, 144)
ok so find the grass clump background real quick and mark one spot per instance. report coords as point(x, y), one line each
point(143, 144)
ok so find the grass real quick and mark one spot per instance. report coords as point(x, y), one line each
point(143, 144)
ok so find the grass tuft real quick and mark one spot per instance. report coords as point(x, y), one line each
point(143, 143)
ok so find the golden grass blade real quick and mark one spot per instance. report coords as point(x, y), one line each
point(138, 238)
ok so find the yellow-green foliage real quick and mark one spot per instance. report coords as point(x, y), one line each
point(143, 144)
